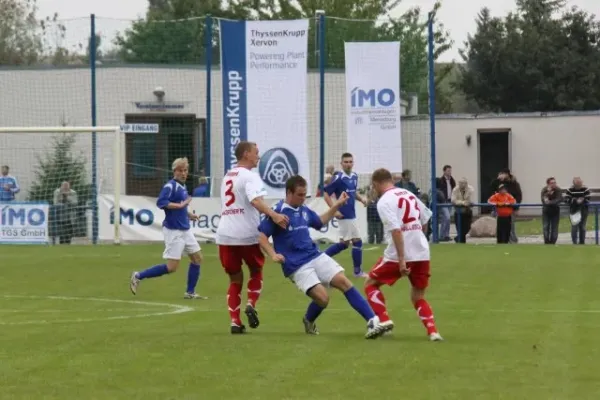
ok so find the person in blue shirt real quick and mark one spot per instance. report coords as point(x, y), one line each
point(346, 181)
point(179, 239)
point(303, 263)
point(8, 185)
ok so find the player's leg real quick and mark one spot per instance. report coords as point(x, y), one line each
point(192, 248)
point(231, 261)
point(383, 273)
point(174, 247)
point(342, 245)
point(255, 260)
point(308, 282)
point(357, 249)
point(419, 279)
point(332, 274)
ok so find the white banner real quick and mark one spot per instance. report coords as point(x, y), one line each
point(373, 105)
point(141, 220)
point(24, 223)
point(265, 78)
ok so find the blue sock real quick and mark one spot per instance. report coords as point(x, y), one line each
point(359, 303)
point(336, 248)
point(313, 311)
point(193, 276)
point(153, 272)
point(357, 256)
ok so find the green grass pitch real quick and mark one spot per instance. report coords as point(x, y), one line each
point(520, 322)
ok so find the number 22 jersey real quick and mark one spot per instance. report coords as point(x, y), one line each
point(400, 209)
point(239, 221)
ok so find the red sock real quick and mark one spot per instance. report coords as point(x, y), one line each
point(377, 302)
point(254, 287)
point(426, 315)
point(234, 299)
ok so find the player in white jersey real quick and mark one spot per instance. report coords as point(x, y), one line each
point(242, 202)
point(404, 217)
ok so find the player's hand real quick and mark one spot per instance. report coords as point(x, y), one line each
point(281, 220)
point(194, 217)
point(7, 187)
point(339, 215)
point(343, 199)
point(364, 202)
point(278, 258)
point(185, 202)
point(404, 271)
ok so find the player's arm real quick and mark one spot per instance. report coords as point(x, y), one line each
point(266, 229)
point(333, 209)
point(255, 193)
point(330, 189)
point(15, 186)
point(361, 198)
point(163, 201)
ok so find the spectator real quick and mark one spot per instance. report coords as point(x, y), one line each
point(504, 203)
point(578, 197)
point(374, 224)
point(8, 185)
point(514, 189)
point(551, 199)
point(463, 215)
point(406, 182)
point(203, 188)
point(65, 201)
point(446, 184)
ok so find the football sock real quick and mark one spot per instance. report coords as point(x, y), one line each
point(313, 311)
point(193, 276)
point(357, 256)
point(234, 299)
point(359, 303)
point(254, 287)
point(377, 302)
point(153, 272)
point(426, 315)
point(336, 248)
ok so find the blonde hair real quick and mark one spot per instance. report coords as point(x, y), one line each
point(180, 163)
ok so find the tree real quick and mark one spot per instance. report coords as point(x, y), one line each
point(542, 57)
point(183, 42)
point(59, 165)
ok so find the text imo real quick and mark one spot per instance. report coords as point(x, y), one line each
point(11, 216)
point(372, 98)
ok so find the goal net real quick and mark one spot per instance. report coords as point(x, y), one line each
point(52, 182)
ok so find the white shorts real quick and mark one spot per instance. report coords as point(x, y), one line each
point(178, 242)
point(320, 270)
point(349, 229)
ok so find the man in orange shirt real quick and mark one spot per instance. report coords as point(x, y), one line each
point(504, 202)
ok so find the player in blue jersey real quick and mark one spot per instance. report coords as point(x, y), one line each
point(179, 239)
point(346, 181)
point(302, 262)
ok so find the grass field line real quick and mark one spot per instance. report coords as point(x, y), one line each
point(174, 309)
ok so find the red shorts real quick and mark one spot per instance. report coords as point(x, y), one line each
point(388, 272)
point(232, 257)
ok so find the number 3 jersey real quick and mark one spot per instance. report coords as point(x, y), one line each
point(239, 221)
point(400, 209)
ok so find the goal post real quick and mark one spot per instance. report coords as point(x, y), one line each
point(57, 174)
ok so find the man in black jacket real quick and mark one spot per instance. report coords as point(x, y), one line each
point(578, 197)
point(551, 199)
point(514, 188)
point(445, 184)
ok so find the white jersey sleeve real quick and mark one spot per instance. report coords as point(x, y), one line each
point(387, 207)
point(239, 220)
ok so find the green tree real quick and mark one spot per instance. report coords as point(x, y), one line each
point(58, 165)
point(543, 57)
point(153, 40)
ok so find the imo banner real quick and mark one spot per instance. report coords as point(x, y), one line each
point(373, 105)
point(264, 72)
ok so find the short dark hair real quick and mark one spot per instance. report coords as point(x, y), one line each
point(446, 167)
point(381, 175)
point(294, 183)
point(550, 179)
point(242, 148)
point(5, 166)
point(346, 155)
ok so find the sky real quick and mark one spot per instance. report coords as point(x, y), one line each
point(458, 16)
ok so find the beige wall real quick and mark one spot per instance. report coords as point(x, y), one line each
point(47, 97)
point(559, 145)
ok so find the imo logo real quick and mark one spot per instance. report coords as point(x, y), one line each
point(372, 98)
point(276, 166)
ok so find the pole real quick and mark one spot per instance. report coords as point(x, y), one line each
point(434, 220)
point(208, 142)
point(321, 31)
point(92, 52)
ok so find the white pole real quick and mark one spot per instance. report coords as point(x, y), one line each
point(117, 187)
